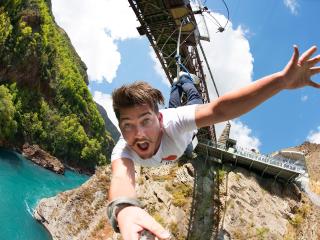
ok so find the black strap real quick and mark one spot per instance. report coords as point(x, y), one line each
point(114, 205)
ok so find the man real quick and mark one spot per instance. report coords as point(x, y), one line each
point(151, 137)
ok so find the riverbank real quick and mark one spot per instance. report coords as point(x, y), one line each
point(42, 158)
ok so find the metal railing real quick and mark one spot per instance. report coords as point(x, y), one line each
point(273, 161)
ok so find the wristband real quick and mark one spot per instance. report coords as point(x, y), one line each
point(115, 206)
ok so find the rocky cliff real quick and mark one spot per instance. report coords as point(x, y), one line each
point(195, 200)
point(312, 153)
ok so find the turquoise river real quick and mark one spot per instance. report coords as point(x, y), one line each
point(22, 185)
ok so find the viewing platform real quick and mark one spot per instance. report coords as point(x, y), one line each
point(276, 166)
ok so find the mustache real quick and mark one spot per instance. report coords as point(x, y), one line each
point(141, 140)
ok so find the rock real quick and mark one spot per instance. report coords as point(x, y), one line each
point(182, 199)
point(79, 213)
point(42, 158)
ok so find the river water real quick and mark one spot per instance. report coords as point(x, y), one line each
point(22, 185)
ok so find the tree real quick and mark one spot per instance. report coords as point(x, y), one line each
point(5, 27)
point(32, 127)
point(8, 125)
point(70, 139)
point(92, 153)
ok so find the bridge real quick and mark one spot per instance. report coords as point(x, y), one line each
point(273, 165)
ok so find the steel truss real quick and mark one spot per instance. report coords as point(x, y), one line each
point(160, 21)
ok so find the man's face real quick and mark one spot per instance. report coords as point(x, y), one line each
point(141, 127)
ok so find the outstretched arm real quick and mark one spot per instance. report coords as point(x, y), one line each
point(296, 74)
point(123, 179)
point(131, 219)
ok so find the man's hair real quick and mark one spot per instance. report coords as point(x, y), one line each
point(137, 93)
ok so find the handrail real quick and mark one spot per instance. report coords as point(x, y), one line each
point(274, 161)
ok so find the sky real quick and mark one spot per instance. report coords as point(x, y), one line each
point(257, 41)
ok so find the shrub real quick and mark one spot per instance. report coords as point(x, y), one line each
point(8, 126)
point(221, 175)
point(296, 220)
point(180, 194)
point(261, 232)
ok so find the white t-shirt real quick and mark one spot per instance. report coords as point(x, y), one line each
point(179, 126)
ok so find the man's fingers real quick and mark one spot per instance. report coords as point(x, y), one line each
point(135, 236)
point(295, 56)
point(315, 70)
point(314, 61)
point(307, 54)
point(313, 84)
point(132, 234)
point(153, 226)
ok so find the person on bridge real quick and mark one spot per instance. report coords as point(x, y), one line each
point(151, 137)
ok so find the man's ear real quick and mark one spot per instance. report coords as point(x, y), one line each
point(160, 117)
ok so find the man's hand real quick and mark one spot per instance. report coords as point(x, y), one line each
point(299, 71)
point(132, 220)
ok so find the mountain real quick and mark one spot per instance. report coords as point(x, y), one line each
point(195, 199)
point(110, 127)
point(44, 98)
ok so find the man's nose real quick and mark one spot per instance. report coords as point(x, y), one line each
point(140, 131)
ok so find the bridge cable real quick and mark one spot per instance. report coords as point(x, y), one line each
point(168, 39)
point(184, 41)
point(210, 72)
point(178, 56)
point(228, 18)
point(216, 22)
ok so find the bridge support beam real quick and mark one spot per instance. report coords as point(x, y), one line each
point(264, 170)
point(276, 176)
point(251, 164)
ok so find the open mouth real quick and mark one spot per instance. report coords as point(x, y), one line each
point(143, 146)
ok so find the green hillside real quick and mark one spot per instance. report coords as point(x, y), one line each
point(44, 98)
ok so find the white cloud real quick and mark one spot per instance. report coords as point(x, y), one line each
point(94, 27)
point(292, 5)
point(304, 98)
point(105, 100)
point(229, 57)
point(243, 134)
point(158, 68)
point(231, 63)
point(314, 136)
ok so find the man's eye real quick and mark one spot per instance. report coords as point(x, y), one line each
point(127, 126)
point(146, 122)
